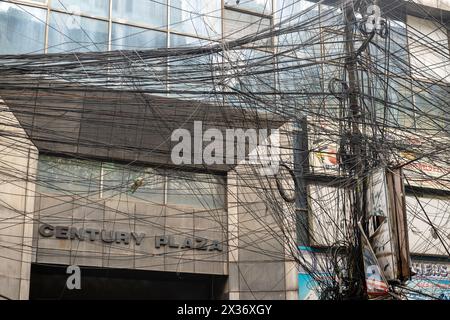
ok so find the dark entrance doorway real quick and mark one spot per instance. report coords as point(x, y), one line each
point(49, 282)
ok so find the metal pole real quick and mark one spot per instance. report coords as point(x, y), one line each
point(301, 160)
point(357, 274)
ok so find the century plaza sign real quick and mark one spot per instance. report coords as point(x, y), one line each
point(120, 237)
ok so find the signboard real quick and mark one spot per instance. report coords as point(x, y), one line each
point(380, 233)
point(330, 218)
point(309, 287)
point(432, 279)
point(376, 282)
point(426, 174)
point(120, 237)
point(422, 235)
point(324, 145)
point(324, 159)
point(419, 169)
point(387, 223)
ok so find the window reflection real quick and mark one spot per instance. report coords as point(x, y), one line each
point(22, 29)
point(75, 33)
point(153, 13)
point(260, 6)
point(70, 176)
point(91, 7)
point(200, 67)
point(132, 181)
point(195, 190)
point(238, 25)
point(431, 103)
point(132, 38)
point(196, 17)
point(183, 41)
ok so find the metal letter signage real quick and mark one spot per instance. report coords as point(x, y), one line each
point(191, 243)
point(119, 237)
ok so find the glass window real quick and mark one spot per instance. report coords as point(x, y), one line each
point(129, 183)
point(239, 79)
point(429, 47)
point(288, 8)
point(132, 38)
point(398, 48)
point(183, 41)
point(77, 34)
point(147, 75)
point(400, 95)
point(91, 7)
point(153, 13)
point(22, 29)
point(431, 102)
point(422, 236)
point(306, 40)
point(68, 176)
point(238, 25)
point(331, 17)
point(197, 17)
point(260, 6)
point(201, 69)
point(200, 191)
point(140, 183)
point(329, 214)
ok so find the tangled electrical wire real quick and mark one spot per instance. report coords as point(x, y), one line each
point(295, 69)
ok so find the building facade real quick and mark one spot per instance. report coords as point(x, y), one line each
point(72, 171)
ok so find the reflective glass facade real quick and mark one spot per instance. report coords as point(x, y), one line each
point(84, 25)
point(78, 26)
point(100, 25)
point(112, 181)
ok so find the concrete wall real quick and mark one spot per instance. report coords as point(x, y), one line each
point(260, 264)
point(262, 235)
point(118, 126)
point(17, 171)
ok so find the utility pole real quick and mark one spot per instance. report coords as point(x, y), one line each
point(301, 163)
point(357, 165)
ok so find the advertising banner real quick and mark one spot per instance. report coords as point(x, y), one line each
point(432, 281)
point(377, 285)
